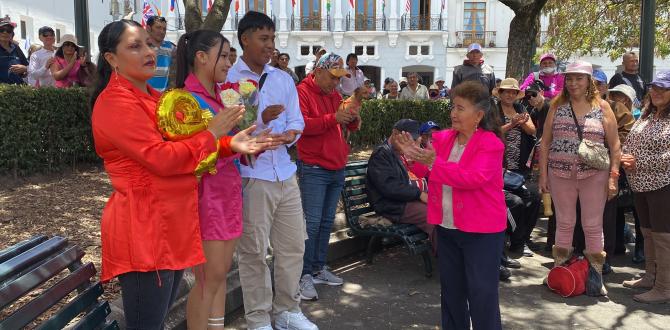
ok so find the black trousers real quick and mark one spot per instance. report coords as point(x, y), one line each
point(468, 264)
point(146, 299)
point(524, 204)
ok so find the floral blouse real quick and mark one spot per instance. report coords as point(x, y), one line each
point(649, 142)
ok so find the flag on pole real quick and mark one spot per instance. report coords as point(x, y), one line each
point(293, 3)
point(383, 6)
point(351, 2)
point(172, 5)
point(209, 4)
point(237, 5)
point(328, 6)
point(443, 5)
point(147, 12)
point(158, 8)
point(408, 6)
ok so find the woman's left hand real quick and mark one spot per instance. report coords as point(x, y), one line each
point(245, 143)
point(612, 188)
point(412, 149)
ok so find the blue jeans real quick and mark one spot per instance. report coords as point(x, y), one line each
point(320, 191)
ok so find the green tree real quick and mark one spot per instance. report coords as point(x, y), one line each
point(611, 27)
point(214, 20)
point(523, 31)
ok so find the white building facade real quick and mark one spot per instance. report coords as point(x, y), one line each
point(390, 37)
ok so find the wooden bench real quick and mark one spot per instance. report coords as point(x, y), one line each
point(356, 204)
point(33, 262)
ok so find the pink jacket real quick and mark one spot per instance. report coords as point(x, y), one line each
point(553, 82)
point(476, 182)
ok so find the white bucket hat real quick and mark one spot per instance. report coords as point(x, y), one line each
point(625, 90)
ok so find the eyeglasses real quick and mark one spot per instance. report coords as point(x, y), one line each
point(531, 94)
point(659, 89)
point(6, 30)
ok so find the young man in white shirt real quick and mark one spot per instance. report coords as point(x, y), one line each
point(272, 204)
point(39, 74)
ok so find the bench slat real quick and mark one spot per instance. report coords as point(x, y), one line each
point(355, 172)
point(355, 192)
point(53, 295)
point(95, 318)
point(361, 211)
point(21, 247)
point(111, 326)
point(26, 259)
point(24, 284)
point(88, 298)
point(355, 202)
point(354, 182)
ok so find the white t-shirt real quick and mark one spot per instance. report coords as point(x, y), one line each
point(38, 73)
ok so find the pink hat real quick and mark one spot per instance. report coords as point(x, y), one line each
point(579, 67)
point(546, 56)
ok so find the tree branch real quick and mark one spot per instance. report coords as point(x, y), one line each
point(217, 15)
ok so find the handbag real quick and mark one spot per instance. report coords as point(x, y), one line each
point(512, 180)
point(593, 154)
point(570, 278)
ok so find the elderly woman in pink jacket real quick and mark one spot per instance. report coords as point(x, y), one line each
point(466, 202)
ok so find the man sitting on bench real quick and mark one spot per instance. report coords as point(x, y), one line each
point(395, 189)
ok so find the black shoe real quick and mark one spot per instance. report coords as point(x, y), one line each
point(527, 252)
point(504, 273)
point(607, 268)
point(509, 262)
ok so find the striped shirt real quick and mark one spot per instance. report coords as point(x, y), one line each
point(563, 157)
point(163, 61)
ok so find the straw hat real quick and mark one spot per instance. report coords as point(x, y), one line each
point(511, 84)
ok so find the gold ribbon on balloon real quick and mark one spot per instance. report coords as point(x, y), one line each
point(179, 116)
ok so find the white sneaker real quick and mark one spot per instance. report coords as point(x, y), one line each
point(324, 276)
point(293, 321)
point(307, 289)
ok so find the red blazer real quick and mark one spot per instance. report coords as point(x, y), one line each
point(476, 182)
point(151, 220)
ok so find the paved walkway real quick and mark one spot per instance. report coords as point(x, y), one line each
point(392, 293)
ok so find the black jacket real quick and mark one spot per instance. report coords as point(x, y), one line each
point(389, 188)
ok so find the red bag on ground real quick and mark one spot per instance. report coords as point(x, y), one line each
point(569, 279)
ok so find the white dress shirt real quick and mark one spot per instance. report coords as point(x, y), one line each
point(37, 70)
point(349, 85)
point(279, 88)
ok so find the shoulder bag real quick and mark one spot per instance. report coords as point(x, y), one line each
point(593, 154)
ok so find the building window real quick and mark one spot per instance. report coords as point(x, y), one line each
point(255, 5)
point(366, 15)
point(370, 50)
point(474, 22)
point(23, 29)
point(425, 50)
point(310, 15)
point(413, 50)
point(304, 50)
point(358, 50)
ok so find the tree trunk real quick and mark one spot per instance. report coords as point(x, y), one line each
point(521, 43)
point(215, 19)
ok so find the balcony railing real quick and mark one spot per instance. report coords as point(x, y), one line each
point(310, 23)
point(365, 23)
point(484, 38)
point(421, 22)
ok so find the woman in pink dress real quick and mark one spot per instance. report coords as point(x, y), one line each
point(203, 63)
point(66, 64)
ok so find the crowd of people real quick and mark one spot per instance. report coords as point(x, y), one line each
point(475, 187)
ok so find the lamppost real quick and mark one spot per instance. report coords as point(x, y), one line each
point(647, 34)
point(81, 29)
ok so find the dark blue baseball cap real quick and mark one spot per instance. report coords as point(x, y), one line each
point(427, 126)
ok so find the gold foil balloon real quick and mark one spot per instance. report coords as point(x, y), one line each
point(179, 116)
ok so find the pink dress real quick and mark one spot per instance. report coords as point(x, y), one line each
point(72, 76)
point(219, 195)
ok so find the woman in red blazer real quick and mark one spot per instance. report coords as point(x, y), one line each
point(466, 201)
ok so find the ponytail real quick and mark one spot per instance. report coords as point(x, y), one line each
point(187, 47)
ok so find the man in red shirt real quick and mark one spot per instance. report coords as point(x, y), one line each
point(322, 153)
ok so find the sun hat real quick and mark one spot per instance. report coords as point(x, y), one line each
point(68, 38)
point(548, 56)
point(434, 86)
point(408, 125)
point(511, 84)
point(662, 79)
point(439, 79)
point(579, 67)
point(600, 76)
point(625, 90)
point(474, 47)
point(333, 63)
point(427, 126)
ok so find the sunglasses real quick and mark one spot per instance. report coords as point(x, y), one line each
point(531, 94)
point(6, 30)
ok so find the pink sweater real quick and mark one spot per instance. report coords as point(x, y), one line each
point(554, 82)
point(476, 181)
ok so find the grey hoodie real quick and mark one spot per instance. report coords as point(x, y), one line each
point(482, 73)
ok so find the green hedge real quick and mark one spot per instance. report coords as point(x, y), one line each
point(379, 116)
point(43, 130)
point(47, 130)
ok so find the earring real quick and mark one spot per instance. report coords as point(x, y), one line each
point(116, 71)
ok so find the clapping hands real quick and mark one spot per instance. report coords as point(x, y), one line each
point(412, 149)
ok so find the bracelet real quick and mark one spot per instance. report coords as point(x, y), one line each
point(614, 174)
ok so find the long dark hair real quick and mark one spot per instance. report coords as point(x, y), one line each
point(191, 43)
point(478, 95)
point(107, 41)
